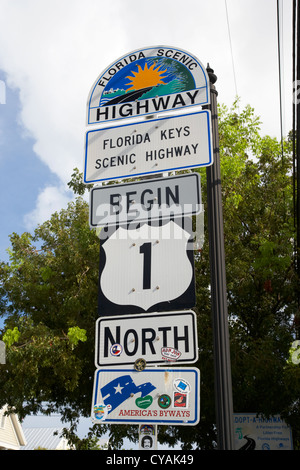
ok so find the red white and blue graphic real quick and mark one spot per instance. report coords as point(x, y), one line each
point(118, 390)
point(150, 396)
point(116, 350)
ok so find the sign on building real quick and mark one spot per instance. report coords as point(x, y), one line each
point(152, 396)
point(147, 81)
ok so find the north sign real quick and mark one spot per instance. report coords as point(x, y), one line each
point(145, 200)
point(145, 148)
point(147, 81)
point(146, 268)
point(158, 396)
point(158, 338)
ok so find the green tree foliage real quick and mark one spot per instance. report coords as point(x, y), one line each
point(262, 283)
point(49, 298)
point(50, 292)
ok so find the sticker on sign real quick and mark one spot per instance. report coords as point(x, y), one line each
point(158, 338)
point(144, 148)
point(159, 396)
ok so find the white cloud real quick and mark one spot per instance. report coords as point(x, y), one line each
point(51, 54)
point(51, 199)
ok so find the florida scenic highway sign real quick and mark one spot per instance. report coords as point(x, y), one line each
point(147, 81)
point(146, 268)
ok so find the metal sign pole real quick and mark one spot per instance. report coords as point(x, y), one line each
point(223, 387)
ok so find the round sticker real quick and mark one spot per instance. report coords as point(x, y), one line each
point(116, 350)
point(140, 364)
point(101, 411)
point(164, 401)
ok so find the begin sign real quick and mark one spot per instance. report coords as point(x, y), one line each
point(145, 200)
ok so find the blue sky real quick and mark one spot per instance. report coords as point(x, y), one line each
point(52, 51)
point(22, 173)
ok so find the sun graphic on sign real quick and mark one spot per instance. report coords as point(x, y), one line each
point(147, 77)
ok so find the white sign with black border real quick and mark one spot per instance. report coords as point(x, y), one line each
point(146, 267)
point(158, 338)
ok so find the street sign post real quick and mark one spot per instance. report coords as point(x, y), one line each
point(145, 200)
point(223, 385)
point(144, 148)
point(158, 338)
point(147, 268)
point(158, 396)
point(147, 81)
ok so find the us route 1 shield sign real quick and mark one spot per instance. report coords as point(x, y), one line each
point(147, 81)
point(158, 338)
point(145, 200)
point(146, 268)
point(158, 396)
point(143, 148)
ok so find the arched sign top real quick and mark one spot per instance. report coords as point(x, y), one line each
point(148, 81)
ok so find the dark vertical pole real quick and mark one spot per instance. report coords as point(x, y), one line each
point(297, 46)
point(294, 116)
point(223, 386)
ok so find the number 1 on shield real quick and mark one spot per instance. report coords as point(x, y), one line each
point(145, 250)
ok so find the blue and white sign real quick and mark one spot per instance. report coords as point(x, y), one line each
point(157, 396)
point(253, 432)
point(145, 148)
point(147, 81)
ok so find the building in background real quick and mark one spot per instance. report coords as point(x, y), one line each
point(11, 433)
point(45, 439)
